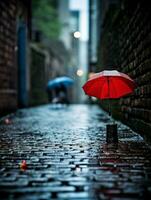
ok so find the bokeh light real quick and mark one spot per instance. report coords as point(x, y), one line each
point(80, 72)
point(77, 34)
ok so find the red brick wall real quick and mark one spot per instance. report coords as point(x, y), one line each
point(8, 68)
point(126, 45)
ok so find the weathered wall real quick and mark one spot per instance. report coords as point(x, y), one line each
point(126, 46)
point(12, 12)
point(8, 69)
point(38, 76)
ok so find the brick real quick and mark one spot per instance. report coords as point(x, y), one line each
point(8, 67)
point(133, 58)
point(51, 154)
point(74, 195)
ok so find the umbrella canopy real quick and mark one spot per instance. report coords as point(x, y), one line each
point(57, 82)
point(109, 84)
point(52, 84)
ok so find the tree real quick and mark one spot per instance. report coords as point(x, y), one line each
point(45, 17)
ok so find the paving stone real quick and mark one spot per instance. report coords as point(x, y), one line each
point(68, 158)
point(73, 195)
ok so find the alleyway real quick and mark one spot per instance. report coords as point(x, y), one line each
point(67, 157)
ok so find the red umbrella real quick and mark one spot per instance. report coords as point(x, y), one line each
point(109, 84)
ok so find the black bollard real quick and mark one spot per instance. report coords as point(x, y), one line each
point(111, 134)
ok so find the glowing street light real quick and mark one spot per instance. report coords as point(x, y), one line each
point(77, 34)
point(80, 72)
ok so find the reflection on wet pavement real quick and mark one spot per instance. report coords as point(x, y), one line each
point(67, 156)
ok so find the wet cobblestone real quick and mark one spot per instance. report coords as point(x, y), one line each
point(67, 157)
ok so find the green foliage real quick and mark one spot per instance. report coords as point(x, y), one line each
point(45, 17)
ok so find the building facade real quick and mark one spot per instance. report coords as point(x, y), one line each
point(14, 26)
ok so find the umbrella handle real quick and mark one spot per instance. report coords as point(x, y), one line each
point(110, 111)
point(109, 108)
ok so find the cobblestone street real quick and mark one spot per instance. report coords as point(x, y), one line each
point(67, 157)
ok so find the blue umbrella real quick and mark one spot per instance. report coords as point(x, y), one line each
point(57, 82)
point(52, 84)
